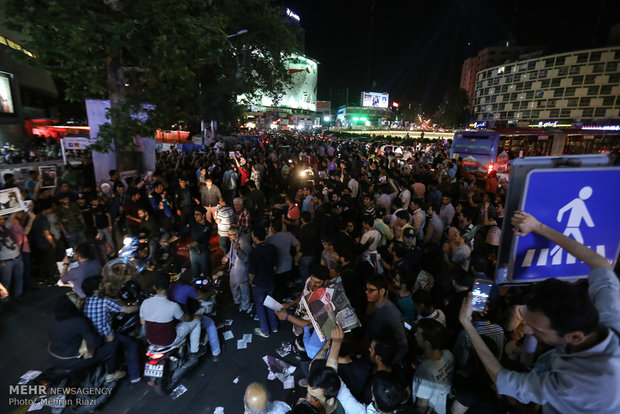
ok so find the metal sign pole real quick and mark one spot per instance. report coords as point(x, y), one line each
point(62, 148)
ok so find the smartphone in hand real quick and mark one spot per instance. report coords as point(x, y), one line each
point(481, 293)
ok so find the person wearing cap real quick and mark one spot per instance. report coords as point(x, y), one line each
point(210, 196)
point(256, 401)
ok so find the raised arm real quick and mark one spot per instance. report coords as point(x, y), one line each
point(526, 223)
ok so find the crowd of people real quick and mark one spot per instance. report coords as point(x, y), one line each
point(34, 150)
point(407, 232)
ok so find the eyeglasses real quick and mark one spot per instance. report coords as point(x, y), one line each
point(371, 290)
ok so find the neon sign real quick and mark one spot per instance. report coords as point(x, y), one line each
point(602, 127)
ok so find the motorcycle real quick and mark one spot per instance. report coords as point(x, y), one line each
point(166, 365)
point(210, 285)
point(71, 390)
point(127, 323)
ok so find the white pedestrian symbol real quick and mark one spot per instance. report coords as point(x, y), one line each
point(578, 212)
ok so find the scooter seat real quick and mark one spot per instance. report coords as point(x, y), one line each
point(163, 348)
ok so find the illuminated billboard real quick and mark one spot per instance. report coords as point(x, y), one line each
point(300, 93)
point(375, 99)
point(6, 98)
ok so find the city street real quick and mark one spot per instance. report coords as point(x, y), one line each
point(24, 338)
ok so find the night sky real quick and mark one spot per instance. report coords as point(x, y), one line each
point(418, 47)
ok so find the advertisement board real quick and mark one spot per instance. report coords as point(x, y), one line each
point(300, 93)
point(375, 99)
point(6, 98)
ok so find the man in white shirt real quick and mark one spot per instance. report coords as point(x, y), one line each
point(371, 237)
point(446, 212)
point(160, 317)
point(433, 376)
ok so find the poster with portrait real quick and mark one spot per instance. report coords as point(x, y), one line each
point(10, 201)
point(48, 176)
point(329, 306)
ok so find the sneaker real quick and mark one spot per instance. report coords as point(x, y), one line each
point(136, 380)
point(115, 376)
point(195, 355)
point(303, 382)
point(250, 309)
point(274, 330)
point(258, 332)
point(215, 358)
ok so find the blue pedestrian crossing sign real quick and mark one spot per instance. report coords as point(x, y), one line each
point(581, 203)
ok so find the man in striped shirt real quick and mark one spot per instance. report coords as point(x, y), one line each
point(224, 218)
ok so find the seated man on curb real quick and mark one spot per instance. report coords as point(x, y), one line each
point(582, 374)
point(160, 314)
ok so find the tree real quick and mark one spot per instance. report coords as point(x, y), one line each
point(172, 54)
point(452, 112)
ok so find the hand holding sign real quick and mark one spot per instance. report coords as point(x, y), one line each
point(524, 223)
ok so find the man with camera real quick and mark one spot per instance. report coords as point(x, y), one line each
point(582, 373)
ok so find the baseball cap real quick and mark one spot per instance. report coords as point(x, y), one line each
point(409, 232)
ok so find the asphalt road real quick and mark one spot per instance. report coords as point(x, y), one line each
point(24, 339)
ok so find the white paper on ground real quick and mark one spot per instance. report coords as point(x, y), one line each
point(37, 404)
point(236, 380)
point(228, 335)
point(178, 391)
point(247, 338)
point(28, 376)
point(289, 382)
point(241, 344)
point(280, 370)
point(272, 304)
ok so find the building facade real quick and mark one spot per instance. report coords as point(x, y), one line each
point(487, 57)
point(574, 88)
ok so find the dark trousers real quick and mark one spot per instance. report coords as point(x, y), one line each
point(266, 317)
point(130, 348)
point(46, 263)
point(105, 353)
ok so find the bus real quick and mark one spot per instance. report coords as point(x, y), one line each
point(487, 150)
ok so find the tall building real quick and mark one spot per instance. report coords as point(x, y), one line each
point(486, 58)
point(580, 87)
point(25, 92)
